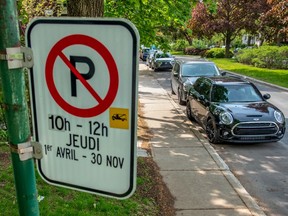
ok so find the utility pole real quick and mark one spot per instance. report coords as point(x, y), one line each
point(16, 109)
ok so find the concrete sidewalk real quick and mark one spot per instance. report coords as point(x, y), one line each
point(197, 177)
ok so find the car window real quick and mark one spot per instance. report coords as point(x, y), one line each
point(235, 93)
point(205, 90)
point(203, 87)
point(199, 69)
point(197, 84)
point(176, 68)
point(163, 55)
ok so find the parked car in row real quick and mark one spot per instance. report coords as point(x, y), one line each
point(232, 109)
point(162, 61)
point(150, 57)
point(144, 52)
point(184, 74)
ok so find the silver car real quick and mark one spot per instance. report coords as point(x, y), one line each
point(162, 61)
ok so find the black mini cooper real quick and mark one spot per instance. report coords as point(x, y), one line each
point(232, 109)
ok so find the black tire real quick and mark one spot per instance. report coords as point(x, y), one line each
point(181, 102)
point(189, 112)
point(212, 133)
point(172, 91)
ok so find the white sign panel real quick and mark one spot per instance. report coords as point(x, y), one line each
point(84, 102)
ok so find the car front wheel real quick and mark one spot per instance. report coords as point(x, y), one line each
point(212, 132)
point(189, 112)
point(181, 102)
point(172, 91)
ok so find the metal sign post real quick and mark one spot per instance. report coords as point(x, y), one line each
point(12, 60)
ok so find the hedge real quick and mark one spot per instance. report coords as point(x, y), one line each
point(271, 57)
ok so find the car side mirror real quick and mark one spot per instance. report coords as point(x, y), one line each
point(204, 100)
point(201, 97)
point(175, 74)
point(266, 96)
point(223, 73)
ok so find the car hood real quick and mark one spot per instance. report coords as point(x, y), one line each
point(256, 111)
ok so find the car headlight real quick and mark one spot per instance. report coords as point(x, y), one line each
point(186, 86)
point(226, 118)
point(279, 117)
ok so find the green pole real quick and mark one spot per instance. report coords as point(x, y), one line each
point(16, 111)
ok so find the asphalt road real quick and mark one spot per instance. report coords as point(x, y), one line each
point(261, 168)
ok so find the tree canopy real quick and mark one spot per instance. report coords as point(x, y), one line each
point(229, 19)
point(274, 22)
point(155, 20)
point(163, 21)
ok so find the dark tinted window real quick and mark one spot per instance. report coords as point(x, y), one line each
point(197, 84)
point(203, 86)
point(235, 93)
point(163, 55)
point(200, 69)
point(176, 68)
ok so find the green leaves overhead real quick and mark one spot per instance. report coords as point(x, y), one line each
point(155, 20)
point(161, 22)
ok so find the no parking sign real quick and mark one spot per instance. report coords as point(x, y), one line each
point(84, 102)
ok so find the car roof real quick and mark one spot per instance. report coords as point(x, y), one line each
point(227, 80)
point(204, 61)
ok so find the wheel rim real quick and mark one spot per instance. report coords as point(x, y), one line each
point(179, 96)
point(188, 110)
point(210, 131)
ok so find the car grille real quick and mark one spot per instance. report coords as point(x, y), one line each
point(255, 129)
point(166, 64)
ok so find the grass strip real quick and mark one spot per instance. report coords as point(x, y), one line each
point(273, 76)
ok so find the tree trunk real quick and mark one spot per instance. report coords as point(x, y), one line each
point(188, 38)
point(85, 8)
point(227, 46)
point(249, 40)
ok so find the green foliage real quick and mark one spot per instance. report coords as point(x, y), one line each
point(28, 9)
point(179, 45)
point(61, 201)
point(156, 21)
point(216, 53)
point(194, 51)
point(265, 57)
point(199, 44)
point(3, 128)
point(245, 56)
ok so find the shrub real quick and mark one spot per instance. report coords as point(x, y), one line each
point(194, 51)
point(245, 56)
point(216, 53)
point(180, 45)
point(265, 57)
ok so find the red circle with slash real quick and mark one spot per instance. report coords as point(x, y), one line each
point(57, 51)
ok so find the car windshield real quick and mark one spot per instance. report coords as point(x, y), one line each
point(235, 93)
point(199, 69)
point(163, 55)
point(146, 50)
